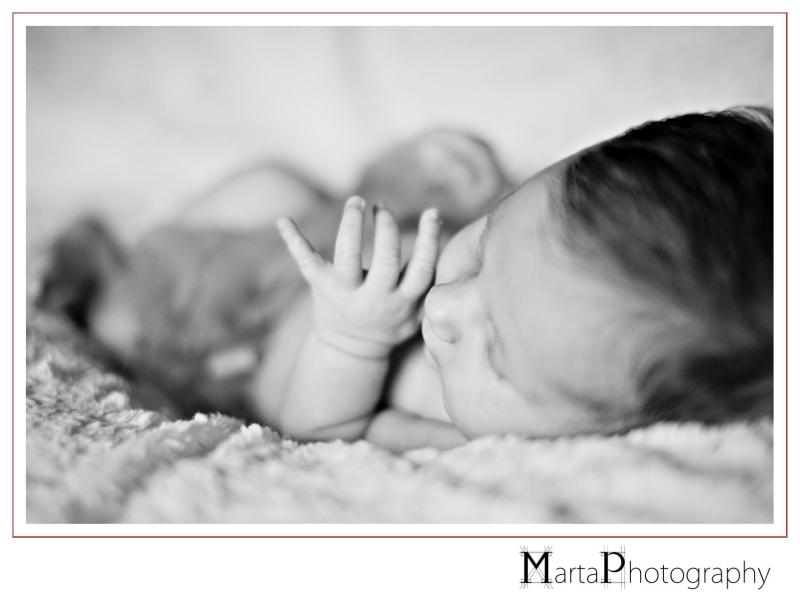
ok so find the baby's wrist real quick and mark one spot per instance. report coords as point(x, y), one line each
point(358, 348)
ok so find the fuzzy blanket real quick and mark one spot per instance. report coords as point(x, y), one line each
point(94, 457)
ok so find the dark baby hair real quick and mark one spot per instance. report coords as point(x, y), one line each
point(684, 206)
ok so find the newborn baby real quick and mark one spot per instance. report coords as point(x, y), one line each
point(627, 283)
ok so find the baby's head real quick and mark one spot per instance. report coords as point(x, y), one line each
point(630, 282)
point(455, 171)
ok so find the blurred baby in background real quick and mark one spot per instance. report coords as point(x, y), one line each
point(211, 304)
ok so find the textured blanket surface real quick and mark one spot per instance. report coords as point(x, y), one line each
point(94, 457)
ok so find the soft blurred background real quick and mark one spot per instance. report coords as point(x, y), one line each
point(131, 122)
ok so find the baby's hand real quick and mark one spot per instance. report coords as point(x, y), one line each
point(366, 316)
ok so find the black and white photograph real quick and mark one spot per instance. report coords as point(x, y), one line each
point(467, 275)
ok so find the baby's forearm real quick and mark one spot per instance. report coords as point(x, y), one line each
point(331, 394)
point(358, 318)
point(398, 431)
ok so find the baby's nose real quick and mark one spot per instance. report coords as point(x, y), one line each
point(441, 312)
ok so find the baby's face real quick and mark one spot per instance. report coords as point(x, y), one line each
point(527, 337)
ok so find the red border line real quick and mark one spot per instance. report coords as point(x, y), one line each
point(786, 323)
point(786, 122)
point(399, 537)
point(407, 13)
point(13, 169)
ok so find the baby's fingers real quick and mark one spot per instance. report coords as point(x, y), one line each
point(347, 255)
point(420, 269)
point(308, 261)
point(385, 267)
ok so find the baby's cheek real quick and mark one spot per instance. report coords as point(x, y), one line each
point(466, 392)
point(485, 402)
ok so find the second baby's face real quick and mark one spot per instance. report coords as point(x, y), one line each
point(527, 337)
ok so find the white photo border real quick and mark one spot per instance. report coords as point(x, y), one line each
point(779, 528)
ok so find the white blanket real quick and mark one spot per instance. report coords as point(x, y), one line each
point(94, 458)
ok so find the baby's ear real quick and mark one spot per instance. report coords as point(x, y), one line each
point(455, 172)
point(466, 164)
point(440, 149)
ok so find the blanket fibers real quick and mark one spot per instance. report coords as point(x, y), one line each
point(94, 457)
